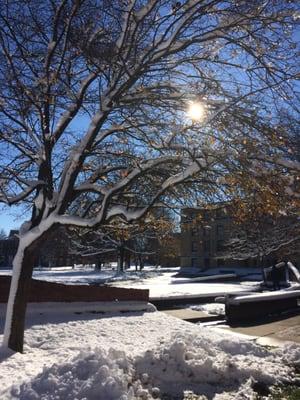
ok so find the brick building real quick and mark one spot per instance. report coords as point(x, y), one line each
point(203, 232)
point(54, 252)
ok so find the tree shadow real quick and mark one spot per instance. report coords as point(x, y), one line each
point(268, 319)
point(5, 353)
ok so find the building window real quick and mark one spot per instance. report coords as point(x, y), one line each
point(220, 245)
point(194, 246)
point(206, 231)
point(220, 230)
point(204, 214)
point(195, 262)
point(194, 231)
point(206, 262)
point(206, 246)
point(220, 262)
point(219, 213)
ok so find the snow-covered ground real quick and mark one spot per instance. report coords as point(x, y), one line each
point(161, 283)
point(68, 275)
point(136, 356)
point(165, 285)
point(101, 352)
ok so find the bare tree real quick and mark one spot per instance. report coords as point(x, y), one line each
point(121, 239)
point(263, 236)
point(2, 234)
point(93, 106)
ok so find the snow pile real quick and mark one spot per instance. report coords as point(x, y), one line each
point(211, 367)
point(290, 353)
point(210, 308)
point(91, 375)
point(215, 366)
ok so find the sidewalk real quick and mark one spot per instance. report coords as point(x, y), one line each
point(287, 328)
point(189, 315)
point(268, 332)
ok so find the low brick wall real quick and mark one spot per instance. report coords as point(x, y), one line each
point(42, 291)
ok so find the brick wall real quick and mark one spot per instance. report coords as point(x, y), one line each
point(42, 291)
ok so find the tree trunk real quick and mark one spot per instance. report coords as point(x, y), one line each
point(261, 262)
point(121, 259)
point(128, 257)
point(18, 298)
point(23, 264)
point(98, 265)
point(141, 262)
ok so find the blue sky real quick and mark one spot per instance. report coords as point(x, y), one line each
point(11, 218)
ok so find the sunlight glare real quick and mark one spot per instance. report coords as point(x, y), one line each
point(196, 111)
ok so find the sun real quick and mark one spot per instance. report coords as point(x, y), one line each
point(196, 111)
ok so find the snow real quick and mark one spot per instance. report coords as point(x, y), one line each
point(210, 308)
point(279, 294)
point(246, 273)
point(160, 282)
point(69, 275)
point(100, 307)
point(190, 170)
point(39, 200)
point(136, 356)
point(294, 270)
point(204, 277)
point(129, 351)
point(163, 286)
point(24, 227)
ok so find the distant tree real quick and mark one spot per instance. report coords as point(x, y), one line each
point(270, 225)
point(258, 235)
point(169, 250)
point(56, 249)
point(156, 234)
point(135, 240)
point(2, 234)
point(93, 107)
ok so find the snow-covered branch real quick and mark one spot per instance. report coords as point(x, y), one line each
point(93, 111)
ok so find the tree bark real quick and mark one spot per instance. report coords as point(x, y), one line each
point(98, 265)
point(121, 259)
point(141, 261)
point(16, 325)
point(23, 265)
point(127, 263)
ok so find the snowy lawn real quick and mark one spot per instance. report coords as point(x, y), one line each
point(160, 282)
point(137, 356)
point(165, 285)
point(68, 275)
